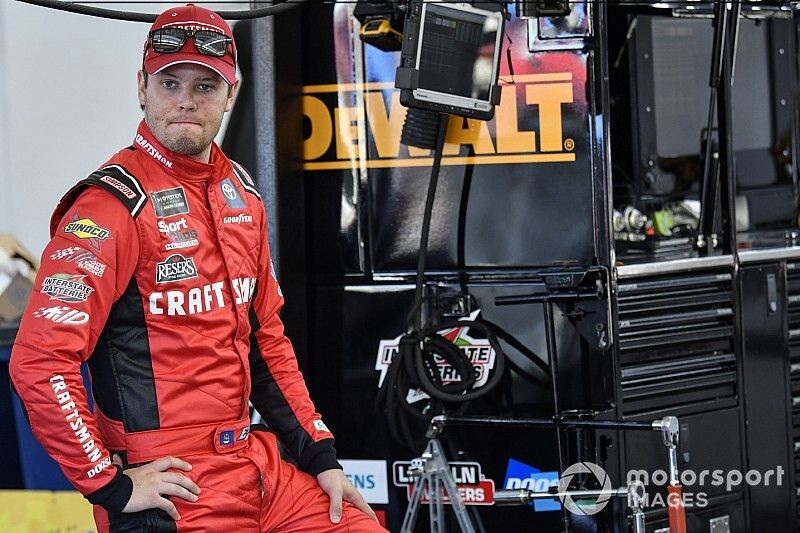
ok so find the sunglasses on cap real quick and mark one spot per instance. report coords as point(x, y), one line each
point(170, 40)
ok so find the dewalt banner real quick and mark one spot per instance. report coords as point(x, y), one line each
point(338, 135)
point(516, 191)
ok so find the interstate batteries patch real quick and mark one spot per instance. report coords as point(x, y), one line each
point(68, 288)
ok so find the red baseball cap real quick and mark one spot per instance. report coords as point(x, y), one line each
point(191, 17)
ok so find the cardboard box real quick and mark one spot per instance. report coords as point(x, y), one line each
point(15, 286)
point(16, 250)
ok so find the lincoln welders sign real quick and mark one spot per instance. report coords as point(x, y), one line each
point(339, 136)
point(473, 487)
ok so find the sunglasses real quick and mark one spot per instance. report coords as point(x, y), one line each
point(170, 40)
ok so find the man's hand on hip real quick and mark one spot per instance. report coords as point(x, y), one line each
point(152, 483)
point(336, 485)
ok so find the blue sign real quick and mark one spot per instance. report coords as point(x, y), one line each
point(226, 437)
point(522, 476)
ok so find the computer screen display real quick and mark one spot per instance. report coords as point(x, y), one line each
point(458, 54)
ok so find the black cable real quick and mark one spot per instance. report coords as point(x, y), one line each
point(461, 239)
point(426, 221)
point(151, 17)
point(422, 349)
point(431, 344)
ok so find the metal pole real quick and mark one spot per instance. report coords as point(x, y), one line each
point(265, 135)
point(446, 420)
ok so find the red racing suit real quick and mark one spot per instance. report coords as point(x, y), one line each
point(159, 276)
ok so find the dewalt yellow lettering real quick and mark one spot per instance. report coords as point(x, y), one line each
point(349, 128)
point(384, 126)
point(321, 128)
point(549, 97)
point(509, 139)
point(461, 131)
point(346, 123)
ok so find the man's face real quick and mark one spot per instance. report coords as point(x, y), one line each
point(184, 105)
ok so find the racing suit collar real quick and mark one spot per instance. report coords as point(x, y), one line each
point(179, 165)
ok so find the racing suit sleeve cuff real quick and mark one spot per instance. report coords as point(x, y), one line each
point(115, 495)
point(319, 457)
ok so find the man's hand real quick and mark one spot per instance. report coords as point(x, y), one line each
point(338, 488)
point(151, 483)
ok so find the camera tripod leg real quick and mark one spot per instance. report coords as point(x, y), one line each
point(432, 472)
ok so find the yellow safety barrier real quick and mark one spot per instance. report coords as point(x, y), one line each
point(40, 511)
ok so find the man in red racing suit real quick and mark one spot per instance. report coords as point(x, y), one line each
point(159, 276)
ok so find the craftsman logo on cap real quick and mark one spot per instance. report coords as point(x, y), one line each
point(195, 26)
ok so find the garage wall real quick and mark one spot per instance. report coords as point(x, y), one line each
point(67, 102)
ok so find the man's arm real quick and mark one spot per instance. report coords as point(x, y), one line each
point(278, 389)
point(84, 269)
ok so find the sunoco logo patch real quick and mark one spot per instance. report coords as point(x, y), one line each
point(68, 288)
point(479, 352)
point(175, 268)
point(86, 228)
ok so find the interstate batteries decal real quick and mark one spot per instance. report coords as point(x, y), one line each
point(478, 351)
point(66, 288)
